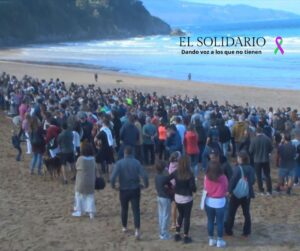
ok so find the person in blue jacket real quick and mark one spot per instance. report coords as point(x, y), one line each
point(173, 141)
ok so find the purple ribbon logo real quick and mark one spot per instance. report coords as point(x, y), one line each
point(278, 42)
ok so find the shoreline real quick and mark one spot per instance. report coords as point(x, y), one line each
point(235, 94)
point(119, 71)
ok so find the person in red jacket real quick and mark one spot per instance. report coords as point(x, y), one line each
point(191, 146)
point(51, 138)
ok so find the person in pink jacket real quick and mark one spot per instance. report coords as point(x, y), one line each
point(216, 185)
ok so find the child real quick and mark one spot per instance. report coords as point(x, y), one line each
point(163, 201)
point(174, 158)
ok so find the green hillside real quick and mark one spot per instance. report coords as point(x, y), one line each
point(35, 21)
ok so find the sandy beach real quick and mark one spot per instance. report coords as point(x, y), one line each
point(35, 212)
point(205, 91)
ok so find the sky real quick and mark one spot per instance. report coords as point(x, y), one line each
point(286, 5)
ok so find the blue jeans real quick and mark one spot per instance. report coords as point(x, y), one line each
point(37, 159)
point(226, 210)
point(225, 148)
point(297, 174)
point(205, 155)
point(164, 213)
point(194, 164)
point(213, 213)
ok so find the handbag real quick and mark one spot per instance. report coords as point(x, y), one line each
point(203, 197)
point(99, 183)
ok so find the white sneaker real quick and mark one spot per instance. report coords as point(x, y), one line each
point(76, 214)
point(124, 230)
point(221, 243)
point(137, 234)
point(92, 216)
point(212, 242)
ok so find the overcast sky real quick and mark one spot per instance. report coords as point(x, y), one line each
point(287, 5)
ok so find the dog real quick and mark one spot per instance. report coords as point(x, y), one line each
point(53, 166)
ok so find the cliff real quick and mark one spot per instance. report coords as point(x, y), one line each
point(43, 21)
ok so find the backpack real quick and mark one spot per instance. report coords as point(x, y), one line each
point(241, 190)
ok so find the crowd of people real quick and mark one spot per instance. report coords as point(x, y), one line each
point(117, 132)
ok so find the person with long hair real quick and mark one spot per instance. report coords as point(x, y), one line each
point(216, 185)
point(85, 183)
point(184, 189)
point(38, 144)
point(174, 158)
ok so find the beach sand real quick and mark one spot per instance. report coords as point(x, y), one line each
point(205, 91)
point(35, 212)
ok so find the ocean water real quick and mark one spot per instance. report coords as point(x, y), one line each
point(160, 56)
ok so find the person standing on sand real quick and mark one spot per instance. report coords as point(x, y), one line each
point(287, 153)
point(238, 131)
point(173, 141)
point(96, 77)
point(129, 136)
point(192, 149)
point(65, 143)
point(163, 201)
point(85, 183)
point(87, 127)
point(244, 202)
point(180, 128)
point(261, 148)
point(184, 188)
point(128, 171)
point(105, 151)
point(162, 136)
point(216, 185)
point(174, 158)
point(149, 134)
point(38, 144)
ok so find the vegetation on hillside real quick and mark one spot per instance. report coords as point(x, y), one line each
point(31, 21)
